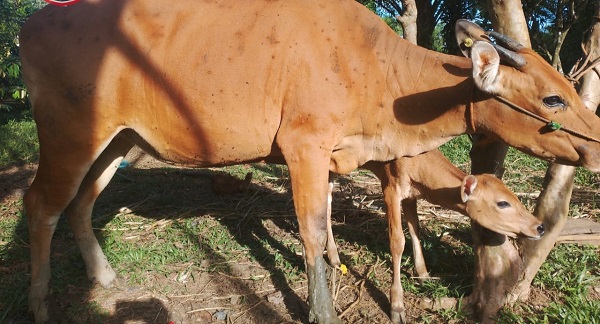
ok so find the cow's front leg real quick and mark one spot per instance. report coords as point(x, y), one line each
point(310, 189)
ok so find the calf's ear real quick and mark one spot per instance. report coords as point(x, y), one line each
point(486, 68)
point(467, 188)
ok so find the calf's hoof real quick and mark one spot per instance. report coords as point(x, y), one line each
point(39, 308)
point(398, 316)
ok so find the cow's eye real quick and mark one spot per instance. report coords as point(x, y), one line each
point(554, 102)
point(503, 204)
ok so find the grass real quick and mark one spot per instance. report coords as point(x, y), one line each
point(570, 272)
point(168, 241)
point(18, 142)
point(18, 138)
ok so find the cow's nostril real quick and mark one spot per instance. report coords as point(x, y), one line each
point(541, 230)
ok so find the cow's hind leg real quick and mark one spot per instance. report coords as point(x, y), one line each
point(61, 170)
point(79, 211)
point(43, 206)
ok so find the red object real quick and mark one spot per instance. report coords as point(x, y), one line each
point(62, 3)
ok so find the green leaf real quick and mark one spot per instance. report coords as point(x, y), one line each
point(14, 70)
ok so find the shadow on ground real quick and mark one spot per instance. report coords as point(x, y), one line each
point(257, 220)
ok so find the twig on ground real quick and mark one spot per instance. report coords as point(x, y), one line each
point(245, 278)
point(355, 302)
point(211, 308)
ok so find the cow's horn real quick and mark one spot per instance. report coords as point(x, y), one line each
point(511, 58)
point(506, 41)
point(507, 49)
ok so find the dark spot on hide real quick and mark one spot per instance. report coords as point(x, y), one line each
point(371, 35)
point(78, 94)
point(273, 38)
point(335, 62)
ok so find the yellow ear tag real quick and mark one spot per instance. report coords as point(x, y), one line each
point(468, 42)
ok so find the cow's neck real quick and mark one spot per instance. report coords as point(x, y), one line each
point(429, 94)
point(422, 106)
point(438, 181)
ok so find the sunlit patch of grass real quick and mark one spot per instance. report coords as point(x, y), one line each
point(567, 274)
point(569, 269)
point(18, 142)
point(457, 151)
point(260, 171)
point(138, 245)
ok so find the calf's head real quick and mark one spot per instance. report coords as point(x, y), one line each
point(492, 205)
point(526, 103)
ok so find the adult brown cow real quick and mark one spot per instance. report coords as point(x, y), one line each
point(324, 85)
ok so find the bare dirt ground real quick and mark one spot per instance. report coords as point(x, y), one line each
point(249, 289)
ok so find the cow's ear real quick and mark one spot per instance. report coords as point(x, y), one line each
point(467, 188)
point(486, 68)
point(468, 32)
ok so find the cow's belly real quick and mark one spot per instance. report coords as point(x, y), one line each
point(209, 143)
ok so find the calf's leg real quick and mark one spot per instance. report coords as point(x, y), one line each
point(332, 250)
point(397, 243)
point(409, 206)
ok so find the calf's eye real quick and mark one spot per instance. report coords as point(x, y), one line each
point(503, 204)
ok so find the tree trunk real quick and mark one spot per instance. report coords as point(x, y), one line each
point(408, 20)
point(508, 18)
point(425, 23)
point(553, 204)
point(501, 276)
point(497, 261)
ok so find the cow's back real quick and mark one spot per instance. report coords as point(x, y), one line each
point(214, 77)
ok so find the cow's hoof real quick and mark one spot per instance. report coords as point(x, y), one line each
point(323, 318)
point(119, 283)
point(106, 278)
point(319, 300)
point(398, 317)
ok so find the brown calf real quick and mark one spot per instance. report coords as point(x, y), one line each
point(430, 176)
point(324, 85)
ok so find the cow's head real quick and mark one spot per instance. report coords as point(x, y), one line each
point(527, 103)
